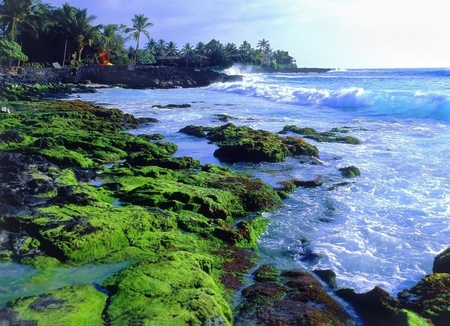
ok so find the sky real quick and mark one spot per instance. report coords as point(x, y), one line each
point(317, 33)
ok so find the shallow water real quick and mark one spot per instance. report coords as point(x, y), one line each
point(22, 281)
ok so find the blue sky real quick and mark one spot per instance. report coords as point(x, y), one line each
point(318, 33)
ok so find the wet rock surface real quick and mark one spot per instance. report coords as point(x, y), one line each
point(288, 298)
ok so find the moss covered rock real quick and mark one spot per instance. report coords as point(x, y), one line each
point(333, 136)
point(175, 289)
point(72, 305)
point(430, 298)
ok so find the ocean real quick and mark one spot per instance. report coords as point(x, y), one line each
point(381, 228)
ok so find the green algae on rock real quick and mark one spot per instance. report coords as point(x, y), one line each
point(332, 136)
point(173, 213)
point(429, 298)
point(72, 305)
point(244, 144)
point(172, 289)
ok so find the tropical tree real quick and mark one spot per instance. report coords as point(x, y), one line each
point(112, 39)
point(214, 50)
point(264, 45)
point(140, 25)
point(151, 46)
point(17, 16)
point(78, 26)
point(187, 51)
point(172, 48)
point(200, 50)
point(11, 50)
point(256, 56)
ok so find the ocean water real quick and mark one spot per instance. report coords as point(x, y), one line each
point(382, 228)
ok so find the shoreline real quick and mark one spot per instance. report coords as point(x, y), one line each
point(267, 276)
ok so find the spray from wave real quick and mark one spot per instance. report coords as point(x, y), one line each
point(396, 103)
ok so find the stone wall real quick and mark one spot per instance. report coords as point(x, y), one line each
point(134, 76)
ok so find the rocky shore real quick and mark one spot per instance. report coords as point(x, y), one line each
point(132, 76)
point(77, 189)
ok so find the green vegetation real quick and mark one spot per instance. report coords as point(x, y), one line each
point(45, 32)
point(174, 220)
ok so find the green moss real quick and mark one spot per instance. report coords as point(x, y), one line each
point(409, 318)
point(72, 305)
point(250, 231)
point(102, 230)
point(177, 287)
point(326, 136)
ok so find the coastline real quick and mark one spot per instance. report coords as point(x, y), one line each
point(270, 276)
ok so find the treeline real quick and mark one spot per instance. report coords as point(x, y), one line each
point(37, 34)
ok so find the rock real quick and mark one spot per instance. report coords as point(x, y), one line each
point(244, 144)
point(326, 136)
point(429, 298)
point(328, 276)
point(350, 171)
point(176, 287)
point(192, 130)
point(292, 298)
point(377, 307)
point(72, 305)
point(441, 262)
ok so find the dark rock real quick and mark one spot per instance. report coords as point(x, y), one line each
point(429, 298)
point(8, 317)
point(46, 301)
point(192, 130)
point(375, 307)
point(441, 262)
point(172, 106)
point(294, 298)
point(328, 276)
point(350, 171)
point(11, 136)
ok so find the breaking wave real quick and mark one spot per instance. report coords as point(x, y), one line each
point(404, 104)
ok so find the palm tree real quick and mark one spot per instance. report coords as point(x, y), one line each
point(151, 46)
point(16, 15)
point(244, 50)
point(256, 55)
point(108, 35)
point(172, 50)
point(187, 50)
point(264, 45)
point(78, 25)
point(200, 50)
point(140, 25)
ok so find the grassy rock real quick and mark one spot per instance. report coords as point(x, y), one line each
point(72, 305)
point(288, 298)
point(332, 136)
point(174, 289)
point(429, 298)
point(237, 144)
point(183, 227)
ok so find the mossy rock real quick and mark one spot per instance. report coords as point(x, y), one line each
point(72, 305)
point(430, 298)
point(350, 171)
point(175, 289)
point(237, 144)
point(332, 136)
point(83, 234)
point(441, 262)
